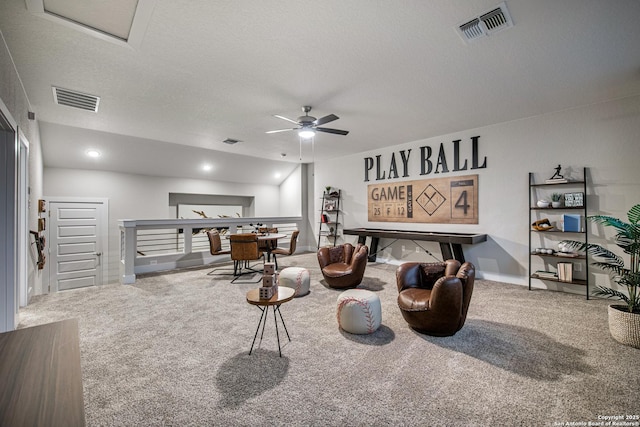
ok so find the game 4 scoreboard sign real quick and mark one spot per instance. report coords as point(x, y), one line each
point(441, 200)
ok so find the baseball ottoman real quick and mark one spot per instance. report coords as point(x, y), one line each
point(297, 278)
point(359, 311)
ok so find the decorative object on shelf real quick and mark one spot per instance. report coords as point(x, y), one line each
point(571, 223)
point(557, 174)
point(624, 320)
point(565, 250)
point(542, 225)
point(542, 203)
point(565, 271)
point(557, 178)
point(42, 206)
point(544, 274)
point(556, 200)
point(574, 200)
point(544, 251)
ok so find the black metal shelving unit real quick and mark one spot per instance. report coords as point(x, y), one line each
point(534, 210)
point(330, 226)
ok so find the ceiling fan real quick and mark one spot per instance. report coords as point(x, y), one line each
point(308, 125)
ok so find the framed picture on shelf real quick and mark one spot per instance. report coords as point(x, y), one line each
point(330, 205)
point(574, 200)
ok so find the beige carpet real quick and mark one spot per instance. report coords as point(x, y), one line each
point(173, 350)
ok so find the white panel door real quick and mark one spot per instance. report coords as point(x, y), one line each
point(76, 252)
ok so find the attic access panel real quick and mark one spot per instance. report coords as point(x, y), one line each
point(122, 22)
point(114, 17)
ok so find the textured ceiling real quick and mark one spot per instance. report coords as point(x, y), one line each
point(394, 72)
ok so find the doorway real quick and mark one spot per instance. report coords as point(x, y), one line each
point(77, 241)
point(22, 199)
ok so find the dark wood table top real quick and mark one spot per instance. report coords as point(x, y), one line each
point(41, 377)
point(283, 295)
point(434, 236)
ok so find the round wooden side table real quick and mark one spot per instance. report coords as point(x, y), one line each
point(283, 295)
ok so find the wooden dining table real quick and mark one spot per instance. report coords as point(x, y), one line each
point(271, 241)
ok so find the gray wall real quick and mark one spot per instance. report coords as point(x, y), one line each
point(16, 101)
point(603, 137)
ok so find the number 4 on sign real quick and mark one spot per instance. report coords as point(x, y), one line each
point(462, 202)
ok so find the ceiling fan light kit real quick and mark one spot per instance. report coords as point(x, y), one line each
point(306, 133)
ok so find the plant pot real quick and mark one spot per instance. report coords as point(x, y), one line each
point(556, 204)
point(624, 326)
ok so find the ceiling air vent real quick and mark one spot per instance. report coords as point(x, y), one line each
point(472, 30)
point(72, 98)
point(486, 24)
point(231, 141)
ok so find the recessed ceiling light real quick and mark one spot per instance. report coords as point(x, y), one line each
point(278, 175)
point(93, 153)
point(207, 167)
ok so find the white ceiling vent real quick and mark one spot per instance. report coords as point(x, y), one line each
point(486, 24)
point(72, 98)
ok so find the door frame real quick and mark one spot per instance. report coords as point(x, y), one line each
point(103, 230)
point(22, 272)
point(8, 249)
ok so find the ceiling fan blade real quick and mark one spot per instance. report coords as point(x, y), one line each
point(280, 130)
point(329, 130)
point(284, 118)
point(326, 119)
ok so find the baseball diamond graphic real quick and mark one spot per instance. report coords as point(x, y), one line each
point(430, 199)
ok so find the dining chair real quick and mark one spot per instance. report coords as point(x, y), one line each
point(265, 245)
point(215, 246)
point(285, 251)
point(244, 248)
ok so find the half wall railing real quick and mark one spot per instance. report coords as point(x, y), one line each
point(151, 245)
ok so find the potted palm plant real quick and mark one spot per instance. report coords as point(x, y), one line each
point(624, 320)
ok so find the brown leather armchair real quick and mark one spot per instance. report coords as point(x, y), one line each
point(434, 297)
point(343, 265)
